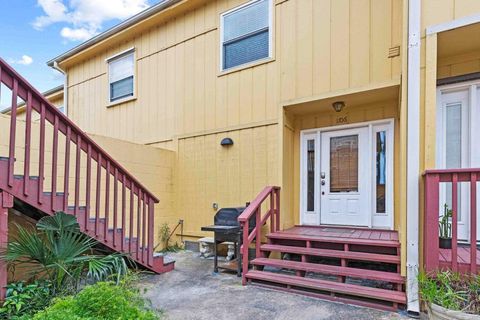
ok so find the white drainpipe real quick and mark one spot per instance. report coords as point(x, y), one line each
point(413, 155)
point(65, 86)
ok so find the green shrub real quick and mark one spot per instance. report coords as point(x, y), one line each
point(103, 300)
point(451, 290)
point(25, 299)
point(59, 252)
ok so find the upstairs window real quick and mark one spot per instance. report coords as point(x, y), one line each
point(246, 34)
point(121, 72)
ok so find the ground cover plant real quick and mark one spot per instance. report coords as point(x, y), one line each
point(454, 291)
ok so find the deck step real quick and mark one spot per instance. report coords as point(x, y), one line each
point(331, 270)
point(342, 240)
point(329, 286)
point(340, 254)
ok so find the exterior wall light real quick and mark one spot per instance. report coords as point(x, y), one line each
point(338, 105)
point(226, 142)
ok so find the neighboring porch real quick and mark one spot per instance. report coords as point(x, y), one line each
point(450, 146)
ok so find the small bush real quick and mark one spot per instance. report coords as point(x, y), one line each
point(103, 300)
point(451, 290)
point(23, 300)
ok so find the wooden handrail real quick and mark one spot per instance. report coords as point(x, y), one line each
point(433, 179)
point(110, 191)
point(253, 210)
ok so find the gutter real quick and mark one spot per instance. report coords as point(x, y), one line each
point(65, 86)
point(21, 105)
point(112, 31)
point(413, 156)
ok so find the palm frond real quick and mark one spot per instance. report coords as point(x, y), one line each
point(59, 222)
point(101, 268)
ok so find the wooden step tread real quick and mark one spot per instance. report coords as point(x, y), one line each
point(325, 285)
point(351, 255)
point(331, 270)
point(356, 241)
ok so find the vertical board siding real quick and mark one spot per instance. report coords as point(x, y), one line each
point(229, 176)
point(319, 46)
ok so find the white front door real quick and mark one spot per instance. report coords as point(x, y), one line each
point(344, 186)
point(347, 175)
point(458, 116)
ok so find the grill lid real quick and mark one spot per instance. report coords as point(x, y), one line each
point(228, 216)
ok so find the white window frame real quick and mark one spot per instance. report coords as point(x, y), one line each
point(270, 37)
point(377, 220)
point(119, 55)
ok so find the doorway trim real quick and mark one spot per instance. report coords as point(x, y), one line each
point(376, 220)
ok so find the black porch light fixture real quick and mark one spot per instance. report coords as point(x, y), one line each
point(338, 106)
point(226, 142)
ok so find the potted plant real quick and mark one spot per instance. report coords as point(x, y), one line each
point(450, 296)
point(445, 228)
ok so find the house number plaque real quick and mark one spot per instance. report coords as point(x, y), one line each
point(343, 119)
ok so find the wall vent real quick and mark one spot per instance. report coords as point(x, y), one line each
point(394, 52)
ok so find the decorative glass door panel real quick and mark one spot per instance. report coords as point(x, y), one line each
point(344, 164)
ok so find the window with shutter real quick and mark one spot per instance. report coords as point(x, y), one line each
point(246, 34)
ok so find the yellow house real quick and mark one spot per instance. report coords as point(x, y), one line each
point(343, 104)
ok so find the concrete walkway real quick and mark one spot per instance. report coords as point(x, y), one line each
point(193, 291)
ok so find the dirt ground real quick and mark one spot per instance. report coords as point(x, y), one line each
point(193, 291)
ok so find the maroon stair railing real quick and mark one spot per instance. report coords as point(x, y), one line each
point(254, 209)
point(433, 181)
point(112, 189)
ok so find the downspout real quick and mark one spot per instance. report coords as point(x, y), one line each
point(65, 86)
point(413, 155)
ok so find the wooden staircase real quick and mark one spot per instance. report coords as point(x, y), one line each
point(78, 177)
point(349, 265)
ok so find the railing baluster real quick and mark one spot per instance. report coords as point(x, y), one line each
point(454, 221)
point(115, 206)
point(277, 209)
point(473, 223)
point(97, 191)
point(77, 175)
point(107, 199)
point(88, 186)
point(41, 154)
point(272, 207)
point(151, 224)
point(431, 247)
point(28, 138)
point(66, 176)
point(124, 204)
point(54, 162)
point(144, 222)
point(130, 222)
point(13, 130)
point(138, 222)
point(258, 227)
point(245, 245)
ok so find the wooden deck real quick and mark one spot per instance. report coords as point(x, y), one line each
point(343, 232)
point(463, 258)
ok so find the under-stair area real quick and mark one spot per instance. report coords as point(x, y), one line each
point(48, 164)
point(358, 266)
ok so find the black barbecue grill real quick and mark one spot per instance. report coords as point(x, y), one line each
point(226, 228)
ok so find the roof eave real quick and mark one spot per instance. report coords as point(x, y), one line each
point(113, 30)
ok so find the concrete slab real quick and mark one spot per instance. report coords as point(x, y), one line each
point(193, 291)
